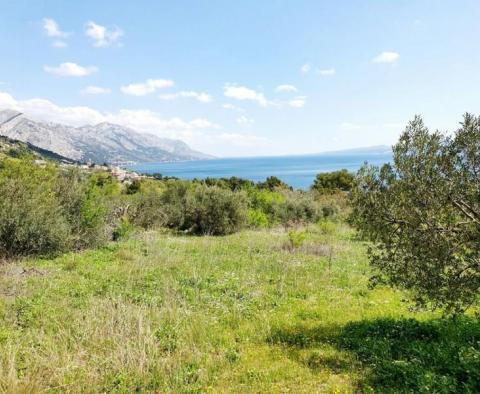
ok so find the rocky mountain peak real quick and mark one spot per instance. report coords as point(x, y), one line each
point(100, 143)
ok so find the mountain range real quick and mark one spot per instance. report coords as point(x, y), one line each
point(100, 143)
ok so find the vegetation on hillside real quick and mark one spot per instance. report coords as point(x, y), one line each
point(14, 148)
point(46, 209)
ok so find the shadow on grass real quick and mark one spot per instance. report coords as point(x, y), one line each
point(441, 356)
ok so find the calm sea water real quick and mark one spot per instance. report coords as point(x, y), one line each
point(297, 171)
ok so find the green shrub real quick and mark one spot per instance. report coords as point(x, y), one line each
point(328, 182)
point(148, 210)
point(327, 228)
point(272, 183)
point(174, 200)
point(19, 152)
point(286, 207)
point(133, 187)
point(47, 210)
point(297, 208)
point(233, 183)
point(85, 203)
point(296, 238)
point(202, 209)
point(334, 205)
point(106, 182)
point(31, 218)
point(214, 211)
point(264, 200)
point(329, 211)
point(257, 218)
point(123, 228)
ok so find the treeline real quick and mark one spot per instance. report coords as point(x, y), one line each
point(49, 209)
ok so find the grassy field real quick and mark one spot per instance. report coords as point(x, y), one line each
point(243, 313)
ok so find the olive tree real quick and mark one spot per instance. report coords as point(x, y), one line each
point(422, 213)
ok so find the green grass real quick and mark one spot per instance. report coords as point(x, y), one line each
point(243, 313)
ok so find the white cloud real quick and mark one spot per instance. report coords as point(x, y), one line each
point(350, 126)
point(394, 125)
point(286, 88)
point(69, 69)
point(202, 97)
point(203, 124)
point(101, 36)
point(45, 110)
point(95, 90)
point(147, 87)
point(386, 57)
point(243, 140)
point(243, 120)
point(232, 107)
point(51, 29)
point(297, 102)
point(306, 68)
point(244, 93)
point(59, 44)
point(8, 102)
point(326, 72)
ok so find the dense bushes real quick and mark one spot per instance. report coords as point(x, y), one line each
point(273, 183)
point(214, 211)
point(256, 218)
point(44, 211)
point(87, 203)
point(233, 183)
point(268, 203)
point(147, 210)
point(297, 208)
point(265, 201)
point(31, 218)
point(283, 206)
point(49, 209)
point(202, 209)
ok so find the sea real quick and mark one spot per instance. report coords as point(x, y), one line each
point(297, 171)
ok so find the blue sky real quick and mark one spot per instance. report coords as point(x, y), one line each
point(248, 77)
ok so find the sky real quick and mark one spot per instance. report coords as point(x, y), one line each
point(244, 78)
